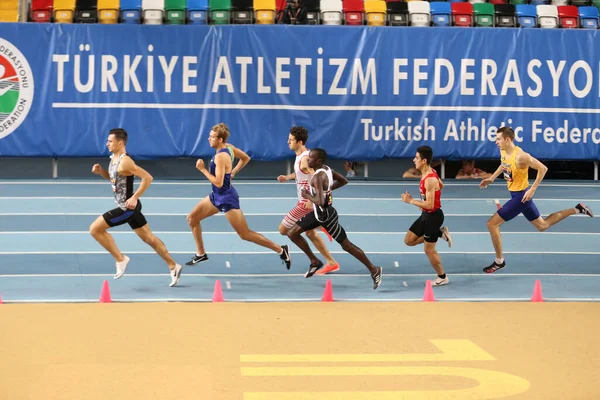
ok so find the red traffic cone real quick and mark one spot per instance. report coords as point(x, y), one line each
point(537, 293)
point(428, 294)
point(218, 293)
point(105, 294)
point(328, 292)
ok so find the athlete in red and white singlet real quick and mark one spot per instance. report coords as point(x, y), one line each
point(428, 227)
point(302, 174)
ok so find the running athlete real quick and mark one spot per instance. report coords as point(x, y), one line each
point(225, 198)
point(297, 143)
point(323, 181)
point(121, 171)
point(428, 227)
point(514, 165)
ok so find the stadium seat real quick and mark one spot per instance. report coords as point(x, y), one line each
point(588, 17)
point(242, 11)
point(313, 12)
point(197, 12)
point(516, 2)
point(495, 2)
point(220, 11)
point(353, 12)
point(397, 13)
point(547, 16)
point(539, 2)
point(86, 11)
point(419, 13)
point(41, 10)
point(526, 16)
point(375, 11)
point(264, 10)
point(483, 14)
point(568, 16)
point(559, 2)
point(64, 11)
point(175, 12)
point(108, 11)
point(440, 13)
point(331, 12)
point(9, 11)
point(462, 14)
point(153, 11)
point(505, 15)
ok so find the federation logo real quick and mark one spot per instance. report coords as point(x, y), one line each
point(16, 88)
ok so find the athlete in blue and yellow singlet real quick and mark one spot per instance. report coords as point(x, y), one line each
point(514, 165)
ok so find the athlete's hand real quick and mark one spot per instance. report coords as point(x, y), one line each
point(406, 197)
point(528, 195)
point(200, 165)
point(282, 178)
point(308, 205)
point(97, 169)
point(131, 203)
point(485, 182)
point(304, 193)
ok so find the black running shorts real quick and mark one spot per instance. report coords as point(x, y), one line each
point(428, 225)
point(329, 221)
point(134, 218)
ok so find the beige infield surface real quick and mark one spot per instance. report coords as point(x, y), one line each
point(297, 351)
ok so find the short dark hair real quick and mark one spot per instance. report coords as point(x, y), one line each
point(507, 132)
point(321, 154)
point(426, 152)
point(120, 134)
point(299, 133)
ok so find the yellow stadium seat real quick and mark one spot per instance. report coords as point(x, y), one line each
point(9, 15)
point(64, 10)
point(9, 11)
point(108, 11)
point(376, 12)
point(264, 11)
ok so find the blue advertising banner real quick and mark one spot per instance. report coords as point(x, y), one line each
point(364, 93)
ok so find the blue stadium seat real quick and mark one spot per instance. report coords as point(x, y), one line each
point(527, 15)
point(588, 17)
point(197, 12)
point(131, 11)
point(440, 13)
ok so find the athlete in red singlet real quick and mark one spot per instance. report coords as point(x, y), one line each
point(428, 227)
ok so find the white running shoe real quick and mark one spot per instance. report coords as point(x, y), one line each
point(121, 267)
point(440, 282)
point(175, 274)
point(446, 235)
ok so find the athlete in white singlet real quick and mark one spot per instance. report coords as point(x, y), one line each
point(302, 174)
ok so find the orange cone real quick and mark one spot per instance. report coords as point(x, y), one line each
point(537, 293)
point(218, 293)
point(105, 294)
point(428, 294)
point(0, 300)
point(328, 292)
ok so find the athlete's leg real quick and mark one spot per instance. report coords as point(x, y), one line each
point(542, 224)
point(153, 241)
point(238, 222)
point(319, 243)
point(295, 235)
point(493, 226)
point(202, 210)
point(98, 229)
point(414, 235)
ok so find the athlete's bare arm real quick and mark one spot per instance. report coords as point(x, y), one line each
point(319, 183)
point(242, 156)
point(485, 182)
point(431, 185)
point(98, 170)
point(339, 180)
point(526, 160)
point(128, 167)
point(222, 163)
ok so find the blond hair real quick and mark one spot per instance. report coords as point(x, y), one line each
point(222, 131)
